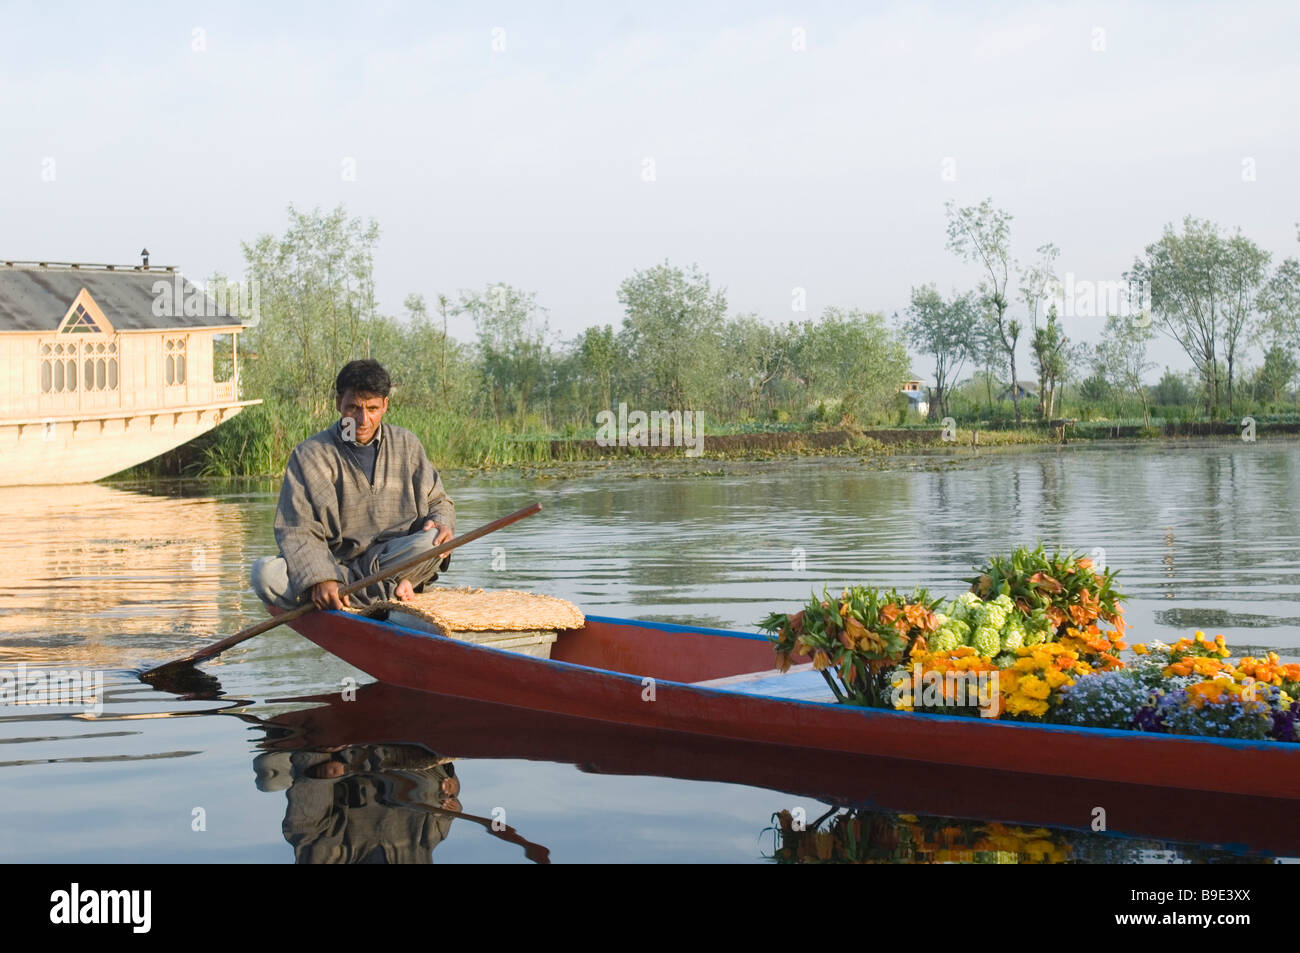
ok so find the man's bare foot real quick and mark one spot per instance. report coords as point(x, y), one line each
point(405, 592)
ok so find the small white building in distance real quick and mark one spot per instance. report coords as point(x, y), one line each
point(919, 395)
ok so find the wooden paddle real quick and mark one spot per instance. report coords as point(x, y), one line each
point(216, 648)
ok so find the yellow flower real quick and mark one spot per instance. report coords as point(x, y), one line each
point(1057, 679)
point(1034, 687)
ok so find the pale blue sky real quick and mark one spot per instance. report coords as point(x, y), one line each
point(775, 168)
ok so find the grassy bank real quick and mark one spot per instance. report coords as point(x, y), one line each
point(257, 442)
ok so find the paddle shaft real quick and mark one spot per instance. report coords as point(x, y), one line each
point(216, 648)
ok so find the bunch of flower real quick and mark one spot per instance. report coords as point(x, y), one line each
point(992, 627)
point(1094, 647)
point(1198, 647)
point(1108, 699)
point(1063, 589)
point(1032, 685)
point(1218, 708)
point(1200, 692)
point(951, 628)
point(1270, 671)
point(953, 694)
point(853, 639)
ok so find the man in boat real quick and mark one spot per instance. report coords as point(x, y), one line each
point(357, 497)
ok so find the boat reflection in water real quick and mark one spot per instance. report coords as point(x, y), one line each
point(364, 783)
point(855, 836)
point(110, 577)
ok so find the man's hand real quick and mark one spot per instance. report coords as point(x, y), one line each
point(444, 534)
point(325, 595)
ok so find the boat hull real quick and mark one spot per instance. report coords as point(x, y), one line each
point(638, 674)
point(89, 447)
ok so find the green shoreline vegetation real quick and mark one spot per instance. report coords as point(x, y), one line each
point(513, 395)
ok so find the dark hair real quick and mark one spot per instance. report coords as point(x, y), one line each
point(363, 377)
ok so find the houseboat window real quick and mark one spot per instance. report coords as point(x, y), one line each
point(58, 368)
point(174, 361)
point(82, 322)
point(100, 366)
point(223, 358)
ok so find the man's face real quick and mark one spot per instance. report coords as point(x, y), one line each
point(365, 411)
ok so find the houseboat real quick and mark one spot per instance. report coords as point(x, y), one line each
point(103, 367)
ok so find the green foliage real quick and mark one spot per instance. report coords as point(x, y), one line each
point(673, 321)
point(317, 302)
point(1204, 287)
point(945, 330)
point(1049, 346)
point(1276, 376)
point(981, 234)
point(854, 356)
point(515, 359)
point(1062, 588)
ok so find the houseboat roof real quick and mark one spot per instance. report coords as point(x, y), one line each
point(35, 296)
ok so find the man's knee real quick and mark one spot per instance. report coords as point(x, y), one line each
point(270, 580)
point(408, 547)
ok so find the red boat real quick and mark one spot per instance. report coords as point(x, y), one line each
point(721, 684)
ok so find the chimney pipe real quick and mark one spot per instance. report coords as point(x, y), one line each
point(144, 255)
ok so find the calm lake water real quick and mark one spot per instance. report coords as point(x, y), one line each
point(254, 766)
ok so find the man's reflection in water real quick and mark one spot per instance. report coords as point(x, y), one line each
point(362, 804)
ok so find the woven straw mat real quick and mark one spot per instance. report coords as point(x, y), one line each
point(479, 610)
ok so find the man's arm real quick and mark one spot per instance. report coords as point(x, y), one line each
point(440, 509)
point(301, 532)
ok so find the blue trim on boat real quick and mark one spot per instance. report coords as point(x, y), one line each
point(675, 627)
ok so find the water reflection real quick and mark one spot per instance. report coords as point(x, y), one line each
point(882, 837)
point(92, 569)
point(347, 741)
point(362, 804)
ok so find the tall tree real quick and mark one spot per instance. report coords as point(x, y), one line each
point(1245, 270)
point(513, 347)
point(1276, 375)
point(1051, 352)
point(944, 330)
point(597, 355)
point(757, 354)
point(1279, 308)
point(1037, 284)
point(1121, 358)
point(1278, 330)
point(317, 300)
point(851, 355)
point(1203, 289)
point(672, 325)
point(982, 234)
